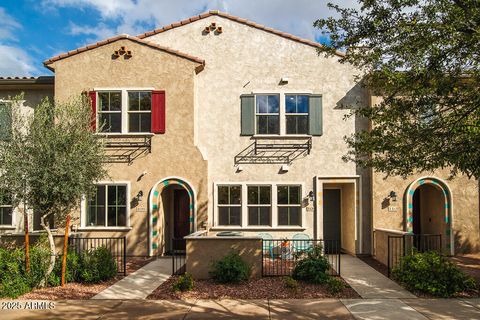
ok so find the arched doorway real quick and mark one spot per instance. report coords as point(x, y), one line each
point(429, 210)
point(171, 213)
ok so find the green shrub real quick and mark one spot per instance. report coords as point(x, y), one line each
point(72, 272)
point(335, 285)
point(184, 283)
point(290, 283)
point(97, 265)
point(39, 260)
point(312, 266)
point(433, 274)
point(13, 282)
point(230, 269)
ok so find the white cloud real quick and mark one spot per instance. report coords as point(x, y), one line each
point(129, 16)
point(16, 62)
point(8, 25)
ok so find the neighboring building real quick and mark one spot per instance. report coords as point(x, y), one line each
point(219, 123)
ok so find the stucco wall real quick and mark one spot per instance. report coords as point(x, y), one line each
point(200, 254)
point(173, 153)
point(244, 60)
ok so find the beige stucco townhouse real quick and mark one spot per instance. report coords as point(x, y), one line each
point(219, 123)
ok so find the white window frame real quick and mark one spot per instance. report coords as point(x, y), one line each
point(288, 114)
point(279, 114)
point(261, 205)
point(274, 222)
point(231, 205)
point(6, 226)
point(138, 111)
point(84, 210)
point(291, 205)
point(282, 112)
point(124, 111)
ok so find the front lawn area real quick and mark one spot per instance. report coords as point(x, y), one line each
point(263, 288)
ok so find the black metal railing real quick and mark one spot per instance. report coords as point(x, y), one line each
point(179, 254)
point(401, 245)
point(271, 151)
point(116, 245)
point(280, 255)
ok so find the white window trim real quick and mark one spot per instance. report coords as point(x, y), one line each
point(282, 112)
point(124, 111)
point(83, 210)
point(274, 198)
point(12, 225)
point(258, 205)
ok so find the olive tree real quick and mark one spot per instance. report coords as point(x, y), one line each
point(51, 160)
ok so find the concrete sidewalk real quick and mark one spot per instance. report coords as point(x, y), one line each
point(368, 282)
point(375, 309)
point(141, 283)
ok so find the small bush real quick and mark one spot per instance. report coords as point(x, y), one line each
point(72, 273)
point(13, 282)
point(433, 274)
point(97, 265)
point(184, 283)
point(290, 283)
point(312, 266)
point(335, 285)
point(230, 269)
point(39, 260)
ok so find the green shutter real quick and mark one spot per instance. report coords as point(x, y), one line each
point(248, 115)
point(5, 121)
point(315, 117)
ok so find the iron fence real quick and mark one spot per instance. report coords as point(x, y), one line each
point(401, 245)
point(116, 245)
point(179, 254)
point(280, 255)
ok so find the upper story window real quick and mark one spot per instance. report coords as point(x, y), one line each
point(128, 111)
point(6, 210)
point(230, 205)
point(268, 114)
point(110, 111)
point(139, 111)
point(108, 207)
point(296, 114)
point(281, 114)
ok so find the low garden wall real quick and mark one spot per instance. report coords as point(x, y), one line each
point(203, 250)
point(380, 243)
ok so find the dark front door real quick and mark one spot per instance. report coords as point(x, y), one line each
point(332, 220)
point(181, 213)
point(417, 220)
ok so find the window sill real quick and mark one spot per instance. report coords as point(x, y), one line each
point(104, 229)
point(128, 134)
point(284, 136)
point(282, 228)
point(7, 227)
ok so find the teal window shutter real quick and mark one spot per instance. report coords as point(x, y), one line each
point(315, 116)
point(247, 115)
point(5, 121)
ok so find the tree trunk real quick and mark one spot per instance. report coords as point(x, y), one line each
point(27, 243)
point(65, 251)
point(46, 227)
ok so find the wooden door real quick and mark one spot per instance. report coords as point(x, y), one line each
point(181, 214)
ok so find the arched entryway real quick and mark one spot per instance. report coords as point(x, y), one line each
point(171, 212)
point(429, 209)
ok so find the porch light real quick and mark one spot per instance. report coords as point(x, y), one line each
point(140, 195)
point(310, 195)
point(393, 196)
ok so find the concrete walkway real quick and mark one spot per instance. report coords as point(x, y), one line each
point(368, 282)
point(349, 309)
point(141, 283)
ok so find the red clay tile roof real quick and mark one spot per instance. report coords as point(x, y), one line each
point(46, 63)
point(239, 20)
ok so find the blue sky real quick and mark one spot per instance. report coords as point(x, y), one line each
point(32, 31)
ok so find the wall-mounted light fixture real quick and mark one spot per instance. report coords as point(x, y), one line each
point(393, 196)
point(139, 195)
point(311, 196)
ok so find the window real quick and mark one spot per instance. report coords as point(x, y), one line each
point(110, 111)
point(139, 111)
point(289, 205)
point(6, 210)
point(230, 205)
point(296, 114)
point(267, 112)
point(37, 216)
point(108, 207)
point(5, 121)
point(259, 205)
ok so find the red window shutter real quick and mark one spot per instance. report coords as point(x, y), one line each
point(93, 99)
point(158, 111)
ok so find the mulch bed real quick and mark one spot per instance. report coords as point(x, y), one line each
point(82, 291)
point(263, 288)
